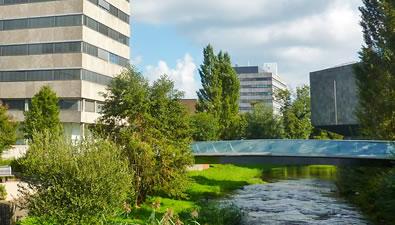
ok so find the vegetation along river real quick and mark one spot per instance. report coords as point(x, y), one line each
point(296, 196)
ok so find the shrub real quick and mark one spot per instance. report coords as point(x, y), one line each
point(7, 130)
point(151, 127)
point(79, 183)
point(3, 192)
point(205, 127)
point(215, 214)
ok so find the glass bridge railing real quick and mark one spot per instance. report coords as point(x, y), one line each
point(329, 148)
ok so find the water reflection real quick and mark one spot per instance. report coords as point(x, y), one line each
point(298, 172)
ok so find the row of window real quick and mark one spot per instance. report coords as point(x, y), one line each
point(101, 3)
point(111, 9)
point(256, 79)
point(255, 93)
point(255, 101)
point(64, 47)
point(11, 2)
point(103, 54)
point(256, 86)
point(41, 22)
point(105, 30)
point(54, 75)
point(64, 104)
point(62, 21)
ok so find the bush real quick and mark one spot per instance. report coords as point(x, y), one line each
point(372, 189)
point(215, 214)
point(7, 130)
point(3, 192)
point(151, 127)
point(81, 183)
point(205, 127)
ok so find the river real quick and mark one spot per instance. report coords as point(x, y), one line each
point(296, 196)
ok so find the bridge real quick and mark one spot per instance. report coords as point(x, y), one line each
point(296, 152)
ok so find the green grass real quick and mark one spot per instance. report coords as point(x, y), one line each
point(216, 182)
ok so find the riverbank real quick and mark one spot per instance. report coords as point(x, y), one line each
point(213, 183)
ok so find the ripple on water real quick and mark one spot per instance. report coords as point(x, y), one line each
point(295, 202)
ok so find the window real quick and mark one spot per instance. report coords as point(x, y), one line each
point(36, 49)
point(73, 74)
point(12, 50)
point(41, 22)
point(103, 54)
point(39, 75)
point(89, 106)
point(68, 47)
point(71, 20)
point(14, 104)
point(15, 24)
point(69, 104)
point(99, 107)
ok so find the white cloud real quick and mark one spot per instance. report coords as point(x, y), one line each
point(300, 35)
point(183, 75)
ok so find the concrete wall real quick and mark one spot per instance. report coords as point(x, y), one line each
point(334, 97)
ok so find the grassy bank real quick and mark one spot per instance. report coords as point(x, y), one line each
point(216, 182)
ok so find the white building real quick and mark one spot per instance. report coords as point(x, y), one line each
point(258, 85)
point(74, 46)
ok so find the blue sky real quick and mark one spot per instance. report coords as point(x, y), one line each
point(299, 35)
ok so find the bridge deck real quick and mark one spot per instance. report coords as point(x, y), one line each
point(296, 152)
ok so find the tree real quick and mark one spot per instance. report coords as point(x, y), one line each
point(74, 183)
point(375, 74)
point(205, 127)
point(43, 114)
point(152, 129)
point(296, 113)
point(220, 93)
point(263, 124)
point(7, 130)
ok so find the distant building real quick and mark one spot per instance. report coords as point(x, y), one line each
point(190, 105)
point(334, 99)
point(258, 85)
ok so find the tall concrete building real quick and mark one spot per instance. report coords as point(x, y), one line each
point(258, 85)
point(74, 46)
point(334, 99)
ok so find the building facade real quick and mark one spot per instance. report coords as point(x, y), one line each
point(74, 46)
point(334, 99)
point(258, 85)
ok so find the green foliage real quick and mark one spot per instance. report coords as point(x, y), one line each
point(375, 73)
point(80, 183)
point(151, 127)
point(321, 134)
point(7, 130)
point(372, 189)
point(215, 214)
point(43, 114)
point(205, 127)
point(220, 93)
point(263, 124)
point(3, 192)
point(296, 113)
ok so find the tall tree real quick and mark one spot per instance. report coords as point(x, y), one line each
point(43, 114)
point(151, 127)
point(375, 73)
point(296, 113)
point(263, 124)
point(7, 130)
point(220, 93)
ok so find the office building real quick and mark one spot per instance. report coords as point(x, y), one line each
point(258, 85)
point(74, 46)
point(334, 99)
